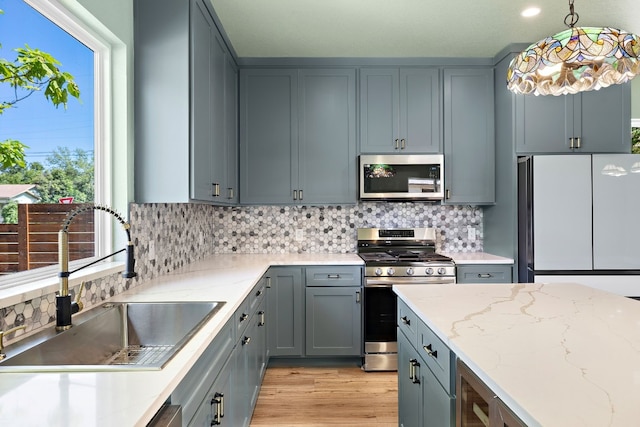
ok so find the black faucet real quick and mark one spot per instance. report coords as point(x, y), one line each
point(65, 308)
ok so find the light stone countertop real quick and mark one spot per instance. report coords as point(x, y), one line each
point(132, 398)
point(556, 354)
point(463, 258)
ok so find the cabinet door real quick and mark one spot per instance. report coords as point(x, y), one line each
point(203, 51)
point(379, 110)
point(502, 416)
point(469, 137)
point(544, 124)
point(327, 136)
point(409, 390)
point(602, 120)
point(420, 127)
point(285, 312)
point(616, 203)
point(230, 193)
point(218, 407)
point(438, 408)
point(562, 217)
point(268, 136)
point(333, 321)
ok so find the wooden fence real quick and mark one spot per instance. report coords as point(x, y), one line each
point(33, 242)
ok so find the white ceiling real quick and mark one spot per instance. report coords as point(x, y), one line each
point(404, 28)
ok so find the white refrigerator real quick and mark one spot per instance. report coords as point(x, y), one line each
point(578, 220)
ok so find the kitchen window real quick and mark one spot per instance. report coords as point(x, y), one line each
point(110, 133)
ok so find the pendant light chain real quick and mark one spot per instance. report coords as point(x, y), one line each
point(572, 18)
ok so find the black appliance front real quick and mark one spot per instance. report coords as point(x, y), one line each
point(380, 329)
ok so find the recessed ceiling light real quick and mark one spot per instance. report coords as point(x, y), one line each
point(531, 11)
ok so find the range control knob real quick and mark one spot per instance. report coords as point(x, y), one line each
point(441, 270)
point(391, 271)
point(410, 271)
point(378, 272)
point(429, 271)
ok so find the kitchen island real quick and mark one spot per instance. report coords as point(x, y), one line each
point(556, 354)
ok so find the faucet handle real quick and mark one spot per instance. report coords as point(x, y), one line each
point(3, 333)
point(78, 302)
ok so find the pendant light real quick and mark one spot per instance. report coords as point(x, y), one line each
point(575, 60)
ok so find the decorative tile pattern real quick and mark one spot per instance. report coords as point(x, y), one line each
point(183, 233)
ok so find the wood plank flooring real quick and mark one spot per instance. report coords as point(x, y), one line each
point(326, 396)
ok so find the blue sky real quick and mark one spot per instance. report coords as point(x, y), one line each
point(35, 121)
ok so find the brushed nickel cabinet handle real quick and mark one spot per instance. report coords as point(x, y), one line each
point(430, 352)
point(571, 143)
point(357, 297)
point(485, 275)
point(300, 191)
point(403, 144)
point(578, 142)
point(295, 194)
point(447, 194)
point(397, 143)
point(405, 320)
point(230, 193)
point(261, 314)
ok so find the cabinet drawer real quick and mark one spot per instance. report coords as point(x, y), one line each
point(407, 322)
point(241, 317)
point(494, 273)
point(437, 356)
point(334, 276)
point(257, 294)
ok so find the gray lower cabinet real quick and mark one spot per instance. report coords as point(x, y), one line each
point(250, 364)
point(298, 136)
point(315, 311)
point(426, 375)
point(334, 316)
point(222, 388)
point(589, 122)
point(209, 376)
point(484, 273)
point(285, 303)
point(186, 119)
point(400, 110)
point(469, 136)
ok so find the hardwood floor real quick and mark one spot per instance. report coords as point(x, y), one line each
point(327, 396)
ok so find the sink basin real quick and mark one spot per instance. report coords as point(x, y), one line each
point(114, 336)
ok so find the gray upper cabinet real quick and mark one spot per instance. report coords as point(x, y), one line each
point(469, 136)
point(589, 122)
point(297, 136)
point(400, 110)
point(184, 123)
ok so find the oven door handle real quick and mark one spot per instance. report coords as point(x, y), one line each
point(387, 283)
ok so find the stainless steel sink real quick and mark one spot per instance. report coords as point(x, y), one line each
point(114, 336)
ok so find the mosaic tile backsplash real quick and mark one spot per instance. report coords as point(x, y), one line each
point(182, 233)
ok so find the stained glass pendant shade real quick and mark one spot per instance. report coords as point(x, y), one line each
point(575, 60)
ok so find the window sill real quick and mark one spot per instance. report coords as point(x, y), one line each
point(49, 285)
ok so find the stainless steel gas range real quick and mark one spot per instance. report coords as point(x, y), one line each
point(403, 256)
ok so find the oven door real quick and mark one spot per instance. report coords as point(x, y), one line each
point(380, 336)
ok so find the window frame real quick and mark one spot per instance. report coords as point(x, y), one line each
point(89, 31)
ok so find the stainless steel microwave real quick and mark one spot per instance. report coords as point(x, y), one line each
point(401, 177)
